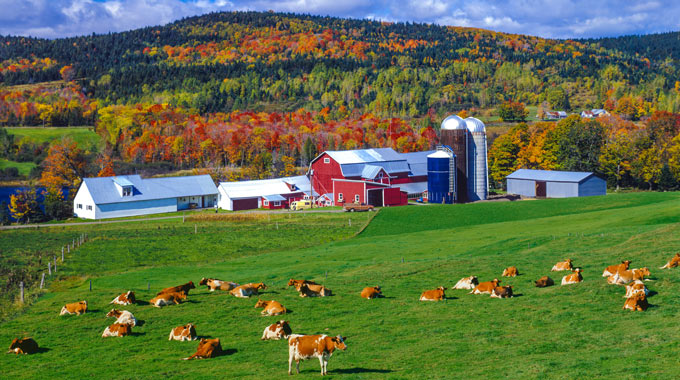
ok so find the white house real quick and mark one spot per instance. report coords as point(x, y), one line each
point(131, 195)
point(265, 193)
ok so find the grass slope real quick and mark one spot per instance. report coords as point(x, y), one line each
point(84, 136)
point(23, 167)
point(576, 331)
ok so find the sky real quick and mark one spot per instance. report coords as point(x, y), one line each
point(548, 18)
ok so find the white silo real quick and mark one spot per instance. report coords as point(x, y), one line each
point(478, 171)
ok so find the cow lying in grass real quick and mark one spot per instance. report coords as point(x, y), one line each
point(486, 287)
point(311, 290)
point(613, 269)
point(125, 299)
point(636, 287)
point(270, 307)
point(433, 295)
point(207, 348)
point(466, 283)
point(24, 346)
point(183, 333)
point(117, 329)
point(544, 282)
point(165, 299)
point(510, 272)
point(123, 317)
point(179, 288)
point(215, 284)
point(562, 265)
point(303, 347)
point(76, 308)
point(371, 292)
point(638, 302)
point(502, 292)
point(276, 331)
point(573, 278)
point(627, 276)
point(673, 262)
point(247, 290)
point(297, 283)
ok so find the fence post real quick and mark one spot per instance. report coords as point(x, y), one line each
point(62, 253)
point(277, 226)
point(148, 285)
point(68, 248)
point(74, 243)
point(350, 222)
point(90, 285)
point(49, 267)
point(55, 264)
point(21, 287)
point(195, 228)
point(42, 280)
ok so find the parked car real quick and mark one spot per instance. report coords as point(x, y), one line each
point(352, 207)
point(301, 205)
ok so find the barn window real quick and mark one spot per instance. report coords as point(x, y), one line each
point(80, 206)
point(340, 197)
point(89, 207)
point(356, 198)
point(127, 191)
point(326, 160)
point(266, 202)
point(277, 203)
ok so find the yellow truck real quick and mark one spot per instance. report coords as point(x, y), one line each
point(301, 205)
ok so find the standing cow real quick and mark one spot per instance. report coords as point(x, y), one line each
point(303, 347)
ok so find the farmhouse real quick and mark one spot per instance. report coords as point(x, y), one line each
point(555, 184)
point(131, 195)
point(267, 193)
point(589, 114)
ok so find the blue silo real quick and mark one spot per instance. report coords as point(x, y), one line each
point(441, 176)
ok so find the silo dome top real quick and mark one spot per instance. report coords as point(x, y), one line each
point(475, 125)
point(453, 122)
point(439, 154)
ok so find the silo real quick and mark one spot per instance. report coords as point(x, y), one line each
point(441, 178)
point(478, 172)
point(454, 134)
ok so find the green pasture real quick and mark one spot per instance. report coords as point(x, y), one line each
point(572, 332)
point(84, 136)
point(24, 167)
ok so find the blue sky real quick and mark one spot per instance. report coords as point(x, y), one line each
point(548, 18)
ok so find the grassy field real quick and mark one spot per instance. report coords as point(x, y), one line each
point(24, 167)
point(84, 136)
point(571, 332)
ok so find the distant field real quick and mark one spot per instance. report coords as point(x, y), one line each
point(571, 332)
point(84, 136)
point(24, 167)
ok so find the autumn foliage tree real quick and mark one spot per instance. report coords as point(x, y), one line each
point(23, 206)
point(512, 111)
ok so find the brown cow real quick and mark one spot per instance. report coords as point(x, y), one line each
point(466, 283)
point(486, 287)
point(613, 269)
point(123, 317)
point(433, 295)
point(627, 276)
point(183, 333)
point(117, 329)
point(510, 272)
point(247, 290)
point(125, 299)
point(502, 292)
point(673, 262)
point(179, 288)
point(310, 290)
point(636, 287)
point(562, 265)
point(23, 346)
point(303, 347)
point(296, 283)
point(638, 302)
point(371, 292)
point(207, 348)
point(270, 307)
point(573, 278)
point(215, 284)
point(544, 282)
point(165, 299)
point(76, 308)
point(276, 331)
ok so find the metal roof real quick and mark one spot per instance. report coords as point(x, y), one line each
point(103, 189)
point(363, 156)
point(453, 122)
point(260, 188)
point(412, 188)
point(549, 175)
point(475, 125)
point(417, 162)
point(370, 171)
point(273, 197)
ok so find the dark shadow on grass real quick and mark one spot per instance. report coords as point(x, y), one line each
point(517, 295)
point(450, 298)
point(199, 337)
point(137, 334)
point(360, 370)
point(141, 303)
point(190, 301)
point(140, 322)
point(93, 310)
point(42, 350)
point(652, 293)
point(227, 352)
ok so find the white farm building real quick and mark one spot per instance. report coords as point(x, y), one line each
point(131, 195)
point(265, 193)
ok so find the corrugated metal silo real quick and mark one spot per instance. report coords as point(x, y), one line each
point(478, 172)
point(441, 178)
point(454, 134)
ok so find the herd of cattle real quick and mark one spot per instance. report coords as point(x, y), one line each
point(302, 347)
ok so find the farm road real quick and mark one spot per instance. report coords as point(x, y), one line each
point(38, 226)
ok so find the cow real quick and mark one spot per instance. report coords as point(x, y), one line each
point(502, 292)
point(76, 308)
point(573, 278)
point(123, 317)
point(510, 272)
point(544, 282)
point(638, 302)
point(270, 307)
point(117, 329)
point(433, 295)
point(613, 269)
point(486, 287)
point(296, 283)
point(125, 299)
point(303, 347)
point(183, 333)
point(207, 348)
point(276, 331)
point(635, 287)
point(562, 265)
point(627, 276)
point(310, 290)
point(179, 288)
point(247, 290)
point(673, 262)
point(215, 284)
point(166, 299)
point(466, 283)
point(24, 346)
point(371, 292)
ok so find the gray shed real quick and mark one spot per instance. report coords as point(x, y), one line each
point(555, 184)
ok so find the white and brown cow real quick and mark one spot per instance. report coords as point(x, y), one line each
point(270, 307)
point(502, 292)
point(215, 284)
point(573, 278)
point(247, 290)
point(117, 329)
point(627, 276)
point(673, 262)
point(207, 348)
point(183, 333)
point(486, 287)
point(638, 302)
point(24, 346)
point(276, 331)
point(562, 265)
point(510, 272)
point(165, 299)
point(122, 317)
point(127, 298)
point(310, 290)
point(76, 308)
point(434, 294)
point(303, 347)
point(466, 283)
point(613, 269)
point(635, 287)
point(371, 292)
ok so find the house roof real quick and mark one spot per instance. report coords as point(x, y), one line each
point(260, 188)
point(549, 175)
point(103, 189)
point(370, 171)
point(363, 156)
point(273, 197)
point(417, 162)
